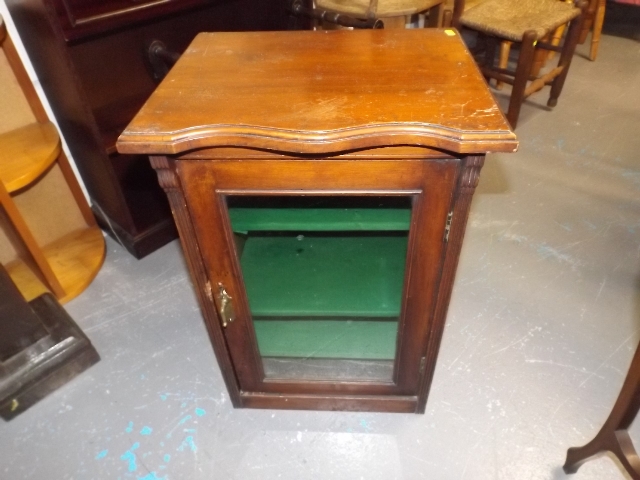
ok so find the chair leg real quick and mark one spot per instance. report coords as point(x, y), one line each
point(588, 20)
point(613, 435)
point(490, 44)
point(566, 56)
point(525, 61)
point(395, 22)
point(435, 18)
point(539, 59)
point(597, 29)
point(505, 48)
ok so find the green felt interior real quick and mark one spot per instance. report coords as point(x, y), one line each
point(360, 339)
point(319, 219)
point(323, 275)
point(311, 275)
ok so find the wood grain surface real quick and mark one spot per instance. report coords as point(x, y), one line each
point(332, 91)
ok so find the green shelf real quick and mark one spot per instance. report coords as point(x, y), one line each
point(344, 339)
point(345, 275)
point(245, 220)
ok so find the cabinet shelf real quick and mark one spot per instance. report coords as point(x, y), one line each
point(26, 153)
point(360, 339)
point(75, 260)
point(320, 219)
point(319, 213)
point(342, 275)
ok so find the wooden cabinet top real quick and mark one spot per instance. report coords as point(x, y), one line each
point(315, 92)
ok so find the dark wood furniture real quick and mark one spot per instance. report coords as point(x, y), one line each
point(613, 436)
point(41, 348)
point(90, 56)
point(321, 183)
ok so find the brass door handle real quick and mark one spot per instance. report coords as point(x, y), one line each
point(225, 306)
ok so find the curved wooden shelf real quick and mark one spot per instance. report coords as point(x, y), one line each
point(26, 153)
point(75, 259)
point(55, 249)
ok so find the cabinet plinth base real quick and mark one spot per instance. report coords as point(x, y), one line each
point(40, 368)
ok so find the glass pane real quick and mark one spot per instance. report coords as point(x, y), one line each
point(324, 279)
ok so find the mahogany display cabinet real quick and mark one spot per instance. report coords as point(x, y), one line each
point(321, 182)
point(92, 59)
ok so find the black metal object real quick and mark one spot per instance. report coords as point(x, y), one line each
point(41, 348)
point(159, 59)
point(299, 9)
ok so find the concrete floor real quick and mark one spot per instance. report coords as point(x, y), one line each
point(542, 326)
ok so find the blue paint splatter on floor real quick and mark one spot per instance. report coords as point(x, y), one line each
point(130, 457)
point(102, 454)
point(163, 397)
point(129, 428)
point(189, 430)
point(187, 442)
point(364, 424)
point(184, 420)
point(200, 412)
point(166, 457)
point(181, 422)
point(184, 404)
point(151, 476)
point(146, 430)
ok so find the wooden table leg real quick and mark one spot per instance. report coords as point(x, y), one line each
point(613, 435)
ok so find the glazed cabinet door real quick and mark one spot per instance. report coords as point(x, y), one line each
point(323, 273)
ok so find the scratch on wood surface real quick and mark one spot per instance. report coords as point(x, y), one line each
point(328, 108)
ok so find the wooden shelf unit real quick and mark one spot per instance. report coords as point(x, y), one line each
point(49, 239)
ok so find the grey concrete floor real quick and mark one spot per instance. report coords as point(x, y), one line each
point(542, 326)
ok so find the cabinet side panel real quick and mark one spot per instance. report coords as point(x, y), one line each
point(172, 186)
point(467, 183)
point(424, 268)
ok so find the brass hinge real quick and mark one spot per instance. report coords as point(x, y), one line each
point(447, 226)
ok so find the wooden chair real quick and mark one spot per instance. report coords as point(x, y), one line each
point(524, 22)
point(593, 20)
point(393, 13)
